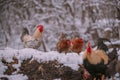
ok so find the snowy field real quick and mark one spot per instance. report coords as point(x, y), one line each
point(71, 59)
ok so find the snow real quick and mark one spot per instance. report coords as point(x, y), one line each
point(2, 68)
point(56, 18)
point(107, 29)
point(23, 54)
point(71, 59)
point(15, 77)
point(18, 77)
point(56, 15)
point(115, 42)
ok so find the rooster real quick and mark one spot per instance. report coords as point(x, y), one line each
point(77, 45)
point(95, 62)
point(32, 41)
point(63, 45)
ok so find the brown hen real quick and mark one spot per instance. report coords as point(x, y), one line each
point(63, 45)
point(77, 45)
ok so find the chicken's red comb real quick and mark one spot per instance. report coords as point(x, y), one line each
point(68, 42)
point(89, 50)
point(80, 39)
point(40, 27)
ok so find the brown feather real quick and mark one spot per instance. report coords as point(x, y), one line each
point(77, 45)
point(63, 45)
point(96, 57)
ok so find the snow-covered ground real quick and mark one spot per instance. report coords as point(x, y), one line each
point(71, 59)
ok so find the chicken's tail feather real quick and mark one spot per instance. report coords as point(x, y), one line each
point(25, 31)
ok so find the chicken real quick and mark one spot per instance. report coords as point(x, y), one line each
point(111, 69)
point(118, 67)
point(101, 45)
point(32, 41)
point(77, 45)
point(95, 62)
point(63, 45)
point(112, 64)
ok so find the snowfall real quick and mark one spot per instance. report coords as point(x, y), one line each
point(16, 14)
point(71, 59)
